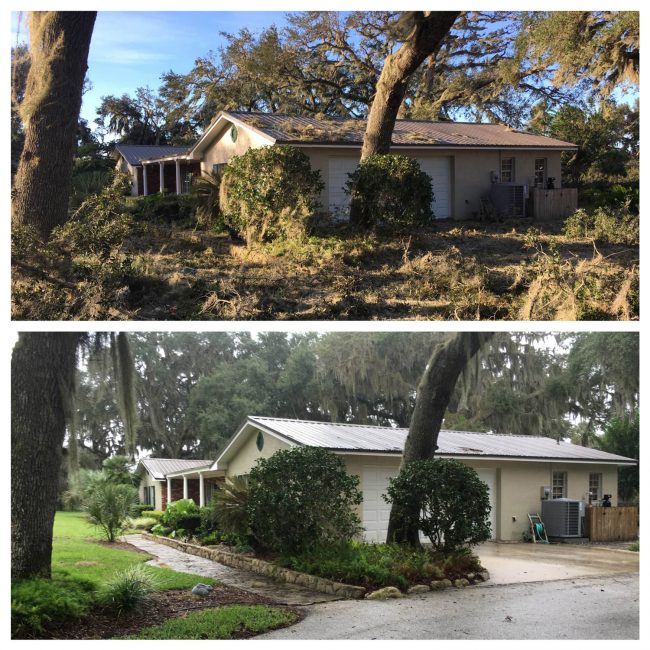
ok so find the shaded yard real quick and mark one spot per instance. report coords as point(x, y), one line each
point(513, 270)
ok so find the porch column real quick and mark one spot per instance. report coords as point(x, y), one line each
point(201, 491)
point(169, 491)
point(145, 185)
point(179, 189)
point(184, 487)
point(162, 176)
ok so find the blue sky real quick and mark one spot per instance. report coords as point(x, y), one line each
point(132, 49)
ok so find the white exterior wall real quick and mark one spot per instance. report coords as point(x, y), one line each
point(222, 148)
point(148, 481)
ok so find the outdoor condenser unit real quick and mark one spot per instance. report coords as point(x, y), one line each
point(509, 200)
point(562, 517)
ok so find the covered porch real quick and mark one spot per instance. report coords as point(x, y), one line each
point(197, 484)
point(171, 174)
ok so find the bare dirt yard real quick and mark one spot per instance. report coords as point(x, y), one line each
point(498, 271)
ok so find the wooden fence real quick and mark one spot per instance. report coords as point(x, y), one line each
point(553, 204)
point(612, 524)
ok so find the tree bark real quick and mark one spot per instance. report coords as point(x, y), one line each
point(426, 35)
point(433, 395)
point(60, 41)
point(41, 364)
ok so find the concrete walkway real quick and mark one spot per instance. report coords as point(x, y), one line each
point(283, 593)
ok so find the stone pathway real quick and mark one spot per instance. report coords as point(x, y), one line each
point(282, 592)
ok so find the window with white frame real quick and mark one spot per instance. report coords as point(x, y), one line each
point(540, 172)
point(595, 487)
point(507, 170)
point(558, 490)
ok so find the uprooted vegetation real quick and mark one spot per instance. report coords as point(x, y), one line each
point(174, 271)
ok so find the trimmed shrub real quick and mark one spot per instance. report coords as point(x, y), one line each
point(390, 189)
point(301, 497)
point(143, 523)
point(269, 192)
point(446, 500)
point(152, 514)
point(182, 515)
point(129, 589)
point(109, 507)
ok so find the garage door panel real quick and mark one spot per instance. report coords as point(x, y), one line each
point(440, 171)
point(376, 512)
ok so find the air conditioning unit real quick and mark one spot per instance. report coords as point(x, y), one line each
point(562, 517)
point(508, 199)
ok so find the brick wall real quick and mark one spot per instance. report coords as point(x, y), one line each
point(193, 490)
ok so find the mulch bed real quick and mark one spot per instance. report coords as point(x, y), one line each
point(104, 624)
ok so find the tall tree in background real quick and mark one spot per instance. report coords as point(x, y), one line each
point(446, 364)
point(59, 44)
point(42, 371)
point(425, 31)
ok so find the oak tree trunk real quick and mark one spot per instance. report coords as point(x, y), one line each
point(433, 395)
point(59, 44)
point(424, 40)
point(41, 365)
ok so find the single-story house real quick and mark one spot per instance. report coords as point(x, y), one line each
point(159, 487)
point(469, 163)
point(520, 471)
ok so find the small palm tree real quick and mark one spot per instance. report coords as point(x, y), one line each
point(206, 189)
point(229, 506)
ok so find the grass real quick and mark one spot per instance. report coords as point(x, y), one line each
point(468, 271)
point(76, 557)
point(80, 567)
point(634, 547)
point(230, 622)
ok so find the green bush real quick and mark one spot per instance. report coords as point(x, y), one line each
point(87, 183)
point(445, 499)
point(228, 510)
point(128, 589)
point(152, 514)
point(182, 515)
point(615, 226)
point(206, 189)
point(109, 507)
point(143, 523)
point(390, 189)
point(37, 603)
point(370, 565)
point(159, 529)
point(99, 225)
point(163, 207)
point(269, 192)
point(302, 497)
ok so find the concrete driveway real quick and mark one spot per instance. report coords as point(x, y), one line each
point(513, 563)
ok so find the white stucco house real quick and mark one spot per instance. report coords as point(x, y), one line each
point(469, 163)
point(520, 471)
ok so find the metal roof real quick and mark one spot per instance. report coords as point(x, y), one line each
point(291, 129)
point(160, 467)
point(134, 154)
point(365, 438)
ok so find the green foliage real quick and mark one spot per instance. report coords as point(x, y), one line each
point(143, 523)
point(206, 188)
point(79, 488)
point(228, 510)
point(634, 547)
point(183, 515)
point(152, 514)
point(269, 192)
point(37, 603)
point(614, 225)
point(109, 506)
point(86, 184)
point(301, 497)
point(229, 622)
point(128, 589)
point(100, 224)
point(167, 208)
point(390, 189)
point(621, 436)
point(445, 499)
point(159, 529)
point(117, 469)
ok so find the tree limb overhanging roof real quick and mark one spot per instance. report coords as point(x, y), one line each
point(323, 130)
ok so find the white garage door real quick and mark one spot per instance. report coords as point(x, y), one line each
point(440, 171)
point(437, 168)
point(338, 200)
point(376, 512)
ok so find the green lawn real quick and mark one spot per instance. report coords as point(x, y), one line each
point(220, 623)
point(77, 556)
point(79, 568)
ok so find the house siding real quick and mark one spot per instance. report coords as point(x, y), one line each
point(222, 148)
point(248, 454)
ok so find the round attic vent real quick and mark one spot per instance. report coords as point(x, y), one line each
point(233, 133)
point(260, 440)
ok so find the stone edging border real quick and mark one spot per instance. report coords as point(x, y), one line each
point(256, 565)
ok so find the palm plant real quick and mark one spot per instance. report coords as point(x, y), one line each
point(206, 189)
